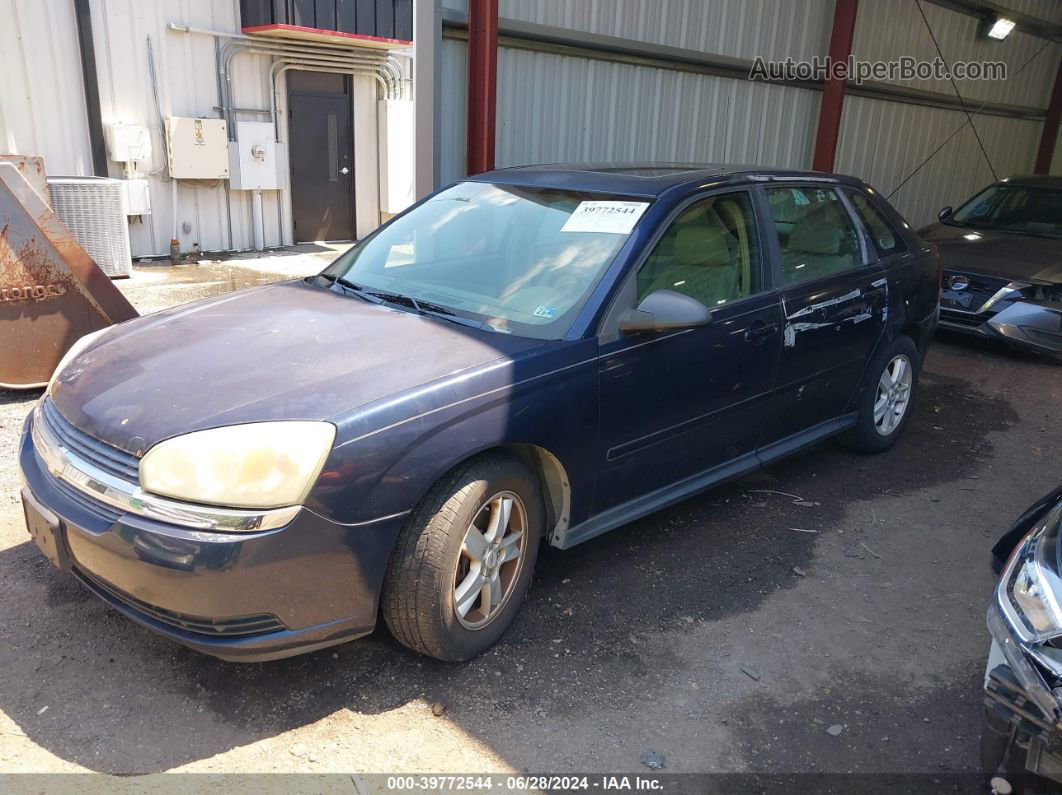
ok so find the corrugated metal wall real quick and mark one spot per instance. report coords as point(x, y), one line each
point(36, 40)
point(187, 87)
point(1051, 10)
point(42, 108)
point(552, 109)
point(884, 142)
point(886, 29)
point(557, 107)
point(738, 28)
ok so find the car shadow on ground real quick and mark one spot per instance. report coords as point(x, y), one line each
point(122, 700)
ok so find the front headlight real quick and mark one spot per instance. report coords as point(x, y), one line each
point(258, 465)
point(1031, 583)
point(70, 355)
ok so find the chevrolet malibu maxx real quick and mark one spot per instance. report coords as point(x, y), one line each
point(532, 355)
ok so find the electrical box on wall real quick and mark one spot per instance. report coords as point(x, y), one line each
point(137, 197)
point(253, 158)
point(198, 148)
point(128, 143)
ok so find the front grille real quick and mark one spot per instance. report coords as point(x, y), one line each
point(980, 290)
point(260, 624)
point(84, 501)
point(100, 454)
point(963, 318)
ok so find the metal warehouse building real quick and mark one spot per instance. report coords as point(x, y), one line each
point(323, 117)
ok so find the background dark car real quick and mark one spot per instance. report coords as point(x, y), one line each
point(1002, 258)
point(533, 354)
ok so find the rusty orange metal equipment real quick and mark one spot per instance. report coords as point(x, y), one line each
point(51, 292)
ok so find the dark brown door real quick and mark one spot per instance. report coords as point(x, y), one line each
point(321, 156)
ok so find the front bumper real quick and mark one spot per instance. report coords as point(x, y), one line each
point(1015, 322)
point(1018, 687)
point(238, 596)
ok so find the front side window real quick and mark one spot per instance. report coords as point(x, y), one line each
point(514, 259)
point(710, 252)
point(1013, 208)
point(885, 238)
point(815, 233)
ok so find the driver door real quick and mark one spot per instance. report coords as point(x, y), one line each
point(680, 408)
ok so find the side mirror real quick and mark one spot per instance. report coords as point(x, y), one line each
point(945, 213)
point(663, 310)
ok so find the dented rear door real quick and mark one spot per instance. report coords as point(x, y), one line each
point(833, 303)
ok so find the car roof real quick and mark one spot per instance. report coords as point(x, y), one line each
point(645, 178)
point(1035, 181)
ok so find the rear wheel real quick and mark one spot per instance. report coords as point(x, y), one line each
point(886, 404)
point(464, 560)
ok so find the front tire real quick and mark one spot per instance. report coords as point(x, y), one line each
point(464, 560)
point(885, 406)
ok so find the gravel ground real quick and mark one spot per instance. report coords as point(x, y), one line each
point(712, 633)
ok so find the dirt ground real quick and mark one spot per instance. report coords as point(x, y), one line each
point(716, 633)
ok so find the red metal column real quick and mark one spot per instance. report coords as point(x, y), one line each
point(482, 83)
point(844, 19)
point(1054, 115)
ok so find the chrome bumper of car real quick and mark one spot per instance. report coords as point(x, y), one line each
point(73, 470)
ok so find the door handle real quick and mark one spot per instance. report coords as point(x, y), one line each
point(759, 331)
point(344, 170)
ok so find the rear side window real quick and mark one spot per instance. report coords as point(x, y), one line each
point(883, 235)
point(815, 233)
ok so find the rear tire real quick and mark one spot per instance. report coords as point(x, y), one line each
point(458, 574)
point(886, 403)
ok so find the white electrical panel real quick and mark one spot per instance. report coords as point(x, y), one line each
point(198, 148)
point(253, 159)
point(137, 197)
point(128, 143)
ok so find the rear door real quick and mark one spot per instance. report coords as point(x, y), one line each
point(833, 301)
point(675, 405)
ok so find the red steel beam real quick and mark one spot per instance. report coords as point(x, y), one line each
point(482, 84)
point(1046, 152)
point(844, 20)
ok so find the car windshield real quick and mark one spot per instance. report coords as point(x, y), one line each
point(514, 259)
point(1013, 208)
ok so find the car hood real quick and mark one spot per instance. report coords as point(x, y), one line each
point(1012, 256)
point(288, 351)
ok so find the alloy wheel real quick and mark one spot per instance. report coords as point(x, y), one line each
point(893, 394)
point(491, 559)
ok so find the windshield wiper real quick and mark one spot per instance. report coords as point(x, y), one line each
point(358, 290)
point(423, 307)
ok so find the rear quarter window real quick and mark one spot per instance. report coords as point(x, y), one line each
point(885, 238)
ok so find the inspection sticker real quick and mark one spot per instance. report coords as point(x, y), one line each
point(610, 217)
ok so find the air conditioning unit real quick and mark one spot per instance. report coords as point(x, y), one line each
point(94, 210)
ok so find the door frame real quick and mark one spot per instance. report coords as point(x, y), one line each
point(348, 86)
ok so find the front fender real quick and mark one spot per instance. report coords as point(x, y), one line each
point(386, 464)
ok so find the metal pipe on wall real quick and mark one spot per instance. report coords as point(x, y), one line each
point(257, 222)
point(231, 50)
point(309, 64)
point(175, 243)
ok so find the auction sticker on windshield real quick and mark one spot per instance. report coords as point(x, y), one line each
point(609, 217)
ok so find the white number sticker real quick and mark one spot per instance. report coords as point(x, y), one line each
point(616, 218)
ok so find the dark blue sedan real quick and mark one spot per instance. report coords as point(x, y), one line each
point(531, 355)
